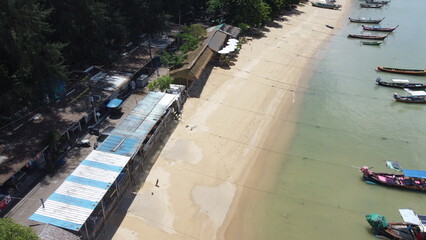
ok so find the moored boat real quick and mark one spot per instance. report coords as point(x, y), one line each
point(409, 179)
point(400, 83)
point(411, 229)
point(372, 37)
point(328, 5)
point(377, 2)
point(378, 28)
point(369, 5)
point(410, 98)
point(376, 43)
point(365, 20)
point(402, 70)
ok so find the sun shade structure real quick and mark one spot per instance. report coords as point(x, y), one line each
point(71, 205)
point(114, 103)
point(414, 173)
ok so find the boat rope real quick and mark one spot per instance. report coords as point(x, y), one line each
point(304, 123)
point(303, 200)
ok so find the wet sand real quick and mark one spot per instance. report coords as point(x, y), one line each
point(222, 159)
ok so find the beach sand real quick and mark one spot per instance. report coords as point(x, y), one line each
point(222, 159)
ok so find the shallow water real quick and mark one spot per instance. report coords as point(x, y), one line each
point(346, 121)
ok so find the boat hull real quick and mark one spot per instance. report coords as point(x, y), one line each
point(409, 99)
point(378, 29)
point(382, 37)
point(374, 43)
point(418, 72)
point(400, 85)
point(367, 5)
point(326, 5)
point(366, 21)
point(394, 180)
point(399, 231)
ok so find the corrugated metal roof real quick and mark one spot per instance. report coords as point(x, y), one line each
point(73, 202)
point(119, 145)
point(144, 116)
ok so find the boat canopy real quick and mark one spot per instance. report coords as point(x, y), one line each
point(409, 216)
point(400, 80)
point(114, 103)
point(377, 221)
point(414, 173)
point(415, 93)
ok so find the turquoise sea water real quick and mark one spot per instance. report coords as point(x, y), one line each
point(345, 122)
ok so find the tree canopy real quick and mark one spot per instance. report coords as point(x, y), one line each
point(13, 231)
point(42, 40)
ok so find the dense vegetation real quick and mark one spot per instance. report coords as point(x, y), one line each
point(12, 231)
point(41, 40)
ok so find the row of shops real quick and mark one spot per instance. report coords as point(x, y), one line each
point(87, 197)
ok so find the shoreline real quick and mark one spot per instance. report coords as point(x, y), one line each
point(212, 173)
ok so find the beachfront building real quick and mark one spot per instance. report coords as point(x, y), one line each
point(195, 70)
point(24, 152)
point(85, 200)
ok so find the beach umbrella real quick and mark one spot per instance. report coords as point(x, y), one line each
point(224, 51)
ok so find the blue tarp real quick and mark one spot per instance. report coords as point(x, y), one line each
point(114, 103)
point(414, 173)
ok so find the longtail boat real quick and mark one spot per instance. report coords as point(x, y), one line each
point(410, 98)
point(402, 70)
point(365, 20)
point(376, 43)
point(378, 28)
point(377, 2)
point(328, 5)
point(372, 37)
point(409, 179)
point(411, 229)
point(368, 5)
point(400, 83)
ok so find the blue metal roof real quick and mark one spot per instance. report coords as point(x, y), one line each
point(74, 201)
point(119, 145)
point(145, 115)
point(414, 173)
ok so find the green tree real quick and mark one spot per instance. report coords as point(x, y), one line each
point(161, 83)
point(12, 231)
point(172, 60)
point(252, 12)
point(276, 6)
point(28, 58)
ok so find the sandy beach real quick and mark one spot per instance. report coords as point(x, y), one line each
point(222, 159)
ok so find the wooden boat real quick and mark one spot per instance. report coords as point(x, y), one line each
point(378, 28)
point(328, 5)
point(376, 43)
point(409, 179)
point(402, 70)
point(400, 83)
point(411, 229)
point(368, 5)
point(372, 37)
point(410, 98)
point(377, 2)
point(365, 20)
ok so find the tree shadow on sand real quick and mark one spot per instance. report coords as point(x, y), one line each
point(258, 33)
